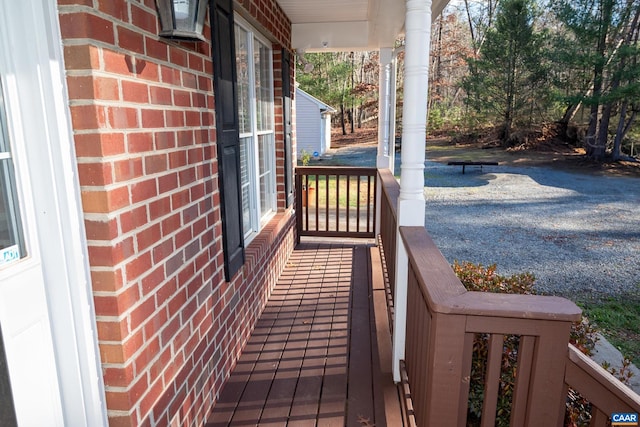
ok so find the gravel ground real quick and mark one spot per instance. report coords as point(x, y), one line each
point(578, 234)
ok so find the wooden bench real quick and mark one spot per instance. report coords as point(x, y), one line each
point(471, 163)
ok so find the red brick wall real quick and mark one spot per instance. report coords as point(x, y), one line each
point(169, 327)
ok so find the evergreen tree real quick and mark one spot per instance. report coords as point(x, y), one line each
point(506, 80)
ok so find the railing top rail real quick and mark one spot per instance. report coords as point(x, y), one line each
point(336, 170)
point(446, 294)
point(391, 188)
point(601, 380)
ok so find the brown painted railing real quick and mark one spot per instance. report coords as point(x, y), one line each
point(388, 221)
point(443, 319)
point(336, 201)
point(605, 393)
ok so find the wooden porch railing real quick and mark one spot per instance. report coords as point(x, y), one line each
point(389, 221)
point(443, 319)
point(605, 393)
point(336, 201)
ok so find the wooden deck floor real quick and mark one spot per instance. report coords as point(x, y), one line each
point(320, 353)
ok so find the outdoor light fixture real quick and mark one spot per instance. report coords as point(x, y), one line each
point(182, 19)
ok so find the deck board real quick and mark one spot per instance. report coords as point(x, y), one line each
point(313, 358)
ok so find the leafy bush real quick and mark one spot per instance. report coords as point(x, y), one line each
point(305, 157)
point(476, 277)
point(436, 119)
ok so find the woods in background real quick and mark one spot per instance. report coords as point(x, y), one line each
point(513, 65)
point(348, 81)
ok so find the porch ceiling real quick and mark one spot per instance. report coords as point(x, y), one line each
point(344, 25)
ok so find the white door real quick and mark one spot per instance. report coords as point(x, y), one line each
point(24, 319)
point(48, 345)
point(23, 304)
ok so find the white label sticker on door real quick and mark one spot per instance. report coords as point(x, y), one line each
point(10, 254)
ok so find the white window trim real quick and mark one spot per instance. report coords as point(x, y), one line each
point(257, 220)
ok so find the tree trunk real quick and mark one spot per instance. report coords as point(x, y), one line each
point(470, 21)
point(617, 142)
point(570, 113)
point(593, 150)
point(596, 147)
point(438, 61)
point(353, 83)
point(350, 115)
point(603, 130)
point(623, 129)
point(511, 88)
point(342, 123)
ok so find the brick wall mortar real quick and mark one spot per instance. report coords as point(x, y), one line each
point(167, 336)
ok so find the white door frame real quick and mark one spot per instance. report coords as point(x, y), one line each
point(39, 89)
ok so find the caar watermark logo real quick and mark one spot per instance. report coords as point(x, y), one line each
point(624, 419)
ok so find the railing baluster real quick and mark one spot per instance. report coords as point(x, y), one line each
point(317, 179)
point(422, 353)
point(599, 418)
point(373, 204)
point(348, 203)
point(358, 207)
point(521, 390)
point(492, 380)
point(467, 360)
point(327, 202)
point(368, 204)
point(306, 197)
point(298, 205)
point(337, 202)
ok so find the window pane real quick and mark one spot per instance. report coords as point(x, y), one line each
point(265, 150)
point(246, 211)
point(8, 234)
point(242, 69)
point(245, 174)
point(11, 239)
point(265, 202)
point(263, 154)
point(264, 99)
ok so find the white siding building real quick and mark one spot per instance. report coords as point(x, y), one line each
point(313, 124)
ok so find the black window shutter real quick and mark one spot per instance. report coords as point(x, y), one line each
point(286, 99)
point(227, 132)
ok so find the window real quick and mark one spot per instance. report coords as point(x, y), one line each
point(257, 130)
point(11, 238)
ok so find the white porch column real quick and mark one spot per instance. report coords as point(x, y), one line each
point(414, 119)
point(392, 109)
point(384, 159)
point(385, 148)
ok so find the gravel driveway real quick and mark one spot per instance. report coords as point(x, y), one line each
point(578, 234)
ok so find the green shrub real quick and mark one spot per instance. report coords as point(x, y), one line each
point(436, 120)
point(305, 157)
